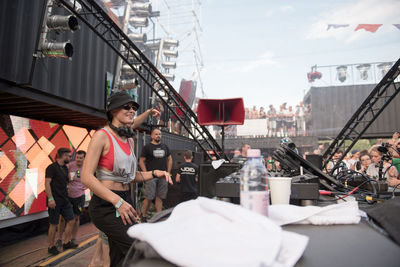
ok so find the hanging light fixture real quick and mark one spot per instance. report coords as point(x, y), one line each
point(168, 65)
point(342, 73)
point(170, 53)
point(138, 37)
point(363, 69)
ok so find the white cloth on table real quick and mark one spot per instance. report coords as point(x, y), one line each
point(206, 232)
point(343, 213)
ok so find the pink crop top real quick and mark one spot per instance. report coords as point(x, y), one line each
point(107, 161)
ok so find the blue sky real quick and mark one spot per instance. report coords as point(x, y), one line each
point(262, 50)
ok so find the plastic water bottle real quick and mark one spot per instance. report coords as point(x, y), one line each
point(254, 193)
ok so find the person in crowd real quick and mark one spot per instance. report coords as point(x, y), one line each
point(395, 138)
point(280, 122)
point(110, 155)
point(188, 177)
point(300, 120)
point(155, 155)
point(336, 157)
point(271, 115)
point(76, 194)
point(243, 154)
point(56, 182)
point(290, 121)
point(363, 163)
point(395, 149)
point(388, 172)
point(253, 113)
point(269, 163)
point(76, 190)
point(308, 119)
point(355, 154)
point(236, 153)
point(246, 113)
point(262, 114)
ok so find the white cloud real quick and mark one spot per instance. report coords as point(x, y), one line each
point(280, 10)
point(384, 12)
point(264, 60)
point(287, 9)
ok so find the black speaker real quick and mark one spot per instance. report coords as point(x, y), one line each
point(315, 160)
point(209, 176)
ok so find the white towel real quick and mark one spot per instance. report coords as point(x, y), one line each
point(206, 232)
point(343, 213)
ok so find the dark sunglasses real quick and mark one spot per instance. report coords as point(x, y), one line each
point(129, 107)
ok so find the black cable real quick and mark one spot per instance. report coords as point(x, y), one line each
point(394, 188)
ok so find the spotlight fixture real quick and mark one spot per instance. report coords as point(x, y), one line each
point(171, 43)
point(142, 9)
point(363, 69)
point(129, 84)
point(342, 73)
point(62, 23)
point(168, 65)
point(170, 53)
point(138, 22)
point(64, 50)
point(127, 70)
point(153, 46)
point(385, 67)
point(314, 74)
point(169, 76)
point(138, 37)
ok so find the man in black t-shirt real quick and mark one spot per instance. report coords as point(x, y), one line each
point(155, 156)
point(56, 182)
point(188, 176)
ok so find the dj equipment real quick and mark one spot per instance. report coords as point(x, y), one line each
point(123, 130)
point(209, 176)
point(304, 187)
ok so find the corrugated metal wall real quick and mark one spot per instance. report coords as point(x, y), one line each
point(333, 106)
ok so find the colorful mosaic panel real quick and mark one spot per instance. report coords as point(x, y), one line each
point(27, 147)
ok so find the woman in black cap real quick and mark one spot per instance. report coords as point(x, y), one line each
point(110, 155)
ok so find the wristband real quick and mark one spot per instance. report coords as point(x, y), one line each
point(119, 203)
point(51, 198)
point(152, 173)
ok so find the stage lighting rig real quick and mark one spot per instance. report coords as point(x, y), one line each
point(57, 24)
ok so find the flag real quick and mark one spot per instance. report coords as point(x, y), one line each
point(368, 27)
point(397, 26)
point(335, 26)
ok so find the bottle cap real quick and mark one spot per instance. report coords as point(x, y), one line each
point(252, 153)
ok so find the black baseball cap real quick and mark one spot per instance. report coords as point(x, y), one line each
point(118, 99)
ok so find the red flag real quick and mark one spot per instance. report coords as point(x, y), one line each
point(368, 27)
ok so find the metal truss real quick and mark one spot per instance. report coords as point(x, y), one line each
point(91, 14)
point(366, 114)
